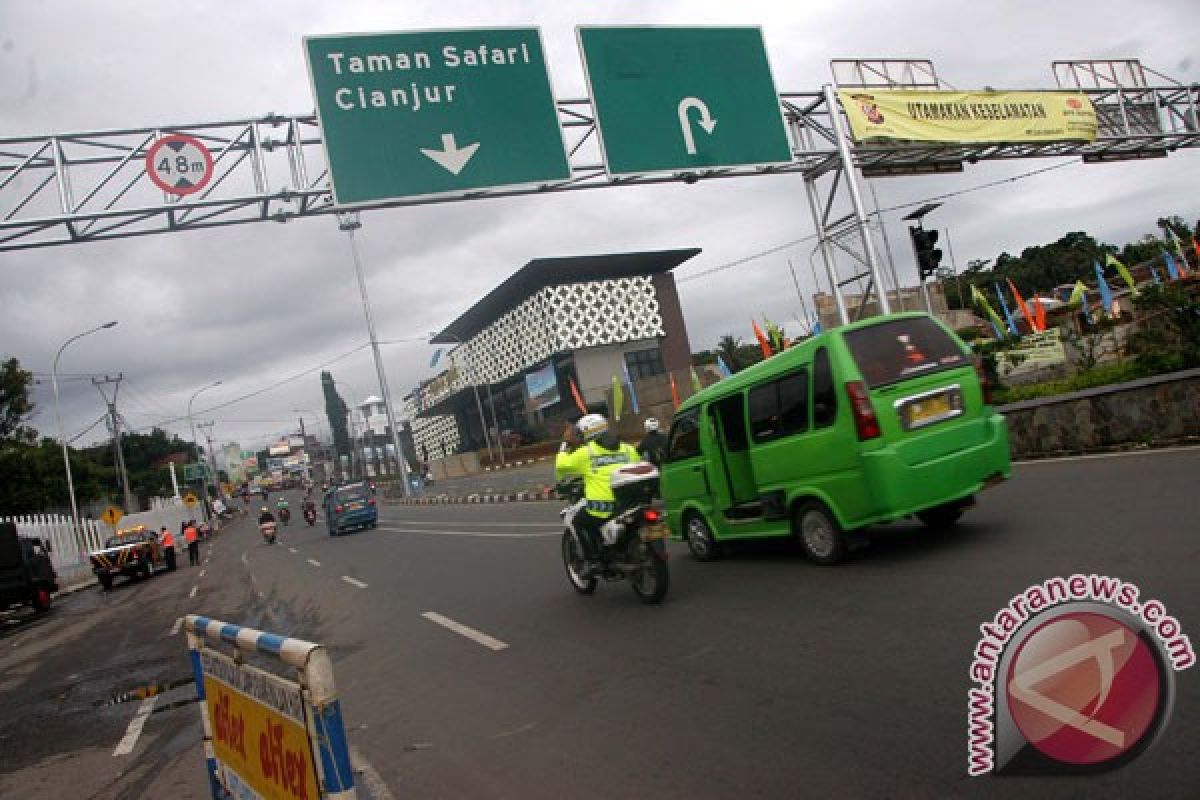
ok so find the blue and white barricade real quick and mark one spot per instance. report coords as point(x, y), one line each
point(267, 734)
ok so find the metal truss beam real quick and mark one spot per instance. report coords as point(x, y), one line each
point(92, 186)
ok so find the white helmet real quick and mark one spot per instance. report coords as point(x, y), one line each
point(591, 425)
point(651, 425)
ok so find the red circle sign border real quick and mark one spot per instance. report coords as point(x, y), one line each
point(179, 137)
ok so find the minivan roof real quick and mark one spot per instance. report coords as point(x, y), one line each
point(788, 358)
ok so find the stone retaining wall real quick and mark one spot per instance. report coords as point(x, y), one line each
point(1164, 408)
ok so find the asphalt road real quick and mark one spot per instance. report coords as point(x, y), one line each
point(761, 675)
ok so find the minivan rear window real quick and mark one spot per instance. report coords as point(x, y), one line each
point(901, 349)
point(352, 494)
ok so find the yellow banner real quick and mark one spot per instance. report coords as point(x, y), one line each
point(267, 751)
point(933, 116)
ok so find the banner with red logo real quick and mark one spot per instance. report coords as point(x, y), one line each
point(981, 116)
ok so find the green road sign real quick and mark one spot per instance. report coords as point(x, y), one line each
point(432, 112)
point(678, 99)
point(195, 472)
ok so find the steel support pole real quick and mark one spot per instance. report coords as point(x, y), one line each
point(887, 247)
point(860, 213)
point(349, 223)
point(196, 443)
point(814, 205)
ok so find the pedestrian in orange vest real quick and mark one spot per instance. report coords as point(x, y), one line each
point(192, 536)
point(167, 540)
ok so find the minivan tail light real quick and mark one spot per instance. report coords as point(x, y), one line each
point(339, 509)
point(865, 421)
point(371, 502)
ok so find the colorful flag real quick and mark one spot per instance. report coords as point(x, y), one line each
point(1154, 274)
point(723, 368)
point(1039, 313)
point(816, 326)
point(994, 318)
point(1196, 247)
point(1172, 270)
point(762, 339)
point(1106, 298)
point(633, 403)
point(436, 355)
point(618, 399)
point(1033, 328)
point(1123, 271)
point(696, 384)
point(674, 391)
point(775, 336)
point(1012, 325)
point(582, 406)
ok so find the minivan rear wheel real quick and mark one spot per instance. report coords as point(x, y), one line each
point(820, 536)
point(699, 538)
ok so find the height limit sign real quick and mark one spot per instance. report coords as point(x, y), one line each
point(179, 164)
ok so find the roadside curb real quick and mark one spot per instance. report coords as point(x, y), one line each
point(535, 496)
point(510, 465)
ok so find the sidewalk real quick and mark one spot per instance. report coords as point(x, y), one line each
point(528, 482)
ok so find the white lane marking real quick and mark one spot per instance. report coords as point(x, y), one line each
point(1094, 456)
point(202, 572)
point(193, 592)
point(370, 778)
point(486, 524)
point(472, 634)
point(245, 561)
point(126, 745)
point(293, 550)
point(176, 627)
point(475, 534)
point(314, 562)
point(354, 581)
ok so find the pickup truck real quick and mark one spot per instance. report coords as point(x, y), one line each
point(26, 575)
point(134, 552)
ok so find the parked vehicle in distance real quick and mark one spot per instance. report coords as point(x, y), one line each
point(350, 506)
point(868, 423)
point(26, 575)
point(134, 552)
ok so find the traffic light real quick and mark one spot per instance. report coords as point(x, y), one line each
point(928, 256)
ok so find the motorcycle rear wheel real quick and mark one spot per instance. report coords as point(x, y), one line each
point(651, 581)
point(576, 565)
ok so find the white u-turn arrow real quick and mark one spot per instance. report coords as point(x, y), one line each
point(706, 121)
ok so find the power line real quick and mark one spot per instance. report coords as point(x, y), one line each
point(811, 237)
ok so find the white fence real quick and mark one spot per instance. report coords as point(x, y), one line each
point(69, 553)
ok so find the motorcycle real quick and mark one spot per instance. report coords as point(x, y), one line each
point(268, 532)
point(634, 538)
point(310, 516)
point(285, 515)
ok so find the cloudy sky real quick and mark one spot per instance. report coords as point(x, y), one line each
point(253, 304)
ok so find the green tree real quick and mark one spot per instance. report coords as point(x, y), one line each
point(728, 347)
point(15, 405)
point(335, 411)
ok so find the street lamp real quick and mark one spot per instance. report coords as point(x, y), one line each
point(61, 434)
point(349, 223)
point(196, 443)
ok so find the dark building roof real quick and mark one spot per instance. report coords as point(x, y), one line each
point(543, 272)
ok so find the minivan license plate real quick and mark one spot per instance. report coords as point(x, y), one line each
point(929, 409)
point(655, 530)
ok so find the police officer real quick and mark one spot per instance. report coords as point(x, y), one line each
point(653, 447)
point(600, 453)
point(167, 540)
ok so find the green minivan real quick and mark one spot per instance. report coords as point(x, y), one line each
point(868, 423)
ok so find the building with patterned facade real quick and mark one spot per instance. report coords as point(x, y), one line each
point(555, 322)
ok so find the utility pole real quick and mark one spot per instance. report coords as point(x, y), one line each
point(212, 461)
point(115, 426)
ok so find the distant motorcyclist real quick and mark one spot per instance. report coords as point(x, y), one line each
point(285, 511)
point(265, 516)
point(653, 447)
point(594, 460)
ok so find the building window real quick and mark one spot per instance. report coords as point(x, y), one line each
point(644, 363)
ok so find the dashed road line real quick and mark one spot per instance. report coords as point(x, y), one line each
point(354, 582)
point(193, 592)
point(293, 550)
point(314, 562)
point(176, 627)
point(476, 636)
point(202, 572)
point(129, 740)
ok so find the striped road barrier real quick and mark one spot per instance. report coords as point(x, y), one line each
point(266, 735)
